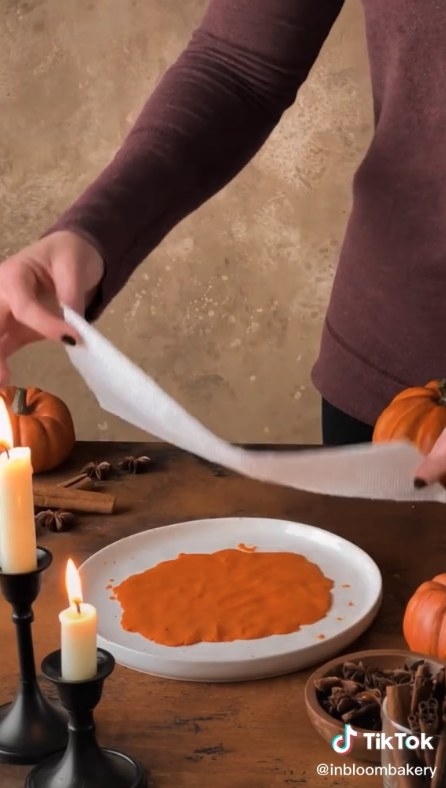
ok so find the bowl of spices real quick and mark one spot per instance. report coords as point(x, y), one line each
point(350, 691)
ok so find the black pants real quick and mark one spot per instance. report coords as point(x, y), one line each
point(338, 429)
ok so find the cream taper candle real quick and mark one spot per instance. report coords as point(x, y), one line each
point(18, 551)
point(78, 632)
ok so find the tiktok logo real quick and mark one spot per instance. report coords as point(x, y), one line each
point(342, 742)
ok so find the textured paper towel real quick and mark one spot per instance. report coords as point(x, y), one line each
point(383, 471)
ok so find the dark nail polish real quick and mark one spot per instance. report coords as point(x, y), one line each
point(67, 340)
point(419, 483)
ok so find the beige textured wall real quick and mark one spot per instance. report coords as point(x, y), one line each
point(227, 312)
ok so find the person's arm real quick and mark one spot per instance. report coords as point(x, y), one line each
point(208, 117)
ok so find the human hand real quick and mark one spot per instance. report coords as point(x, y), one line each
point(433, 467)
point(61, 268)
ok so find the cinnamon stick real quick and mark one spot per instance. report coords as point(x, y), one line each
point(80, 482)
point(398, 703)
point(429, 719)
point(83, 484)
point(48, 496)
point(422, 686)
point(398, 711)
point(429, 715)
point(74, 480)
point(415, 729)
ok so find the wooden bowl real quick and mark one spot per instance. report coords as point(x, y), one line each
point(327, 726)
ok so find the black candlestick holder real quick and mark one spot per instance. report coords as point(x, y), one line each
point(31, 727)
point(84, 764)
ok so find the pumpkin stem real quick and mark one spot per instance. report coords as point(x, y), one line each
point(20, 408)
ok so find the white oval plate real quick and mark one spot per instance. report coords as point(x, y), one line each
point(340, 560)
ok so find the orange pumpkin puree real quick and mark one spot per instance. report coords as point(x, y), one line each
point(224, 596)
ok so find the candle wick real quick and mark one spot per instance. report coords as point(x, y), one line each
point(78, 605)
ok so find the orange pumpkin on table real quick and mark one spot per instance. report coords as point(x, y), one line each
point(417, 414)
point(41, 421)
point(424, 622)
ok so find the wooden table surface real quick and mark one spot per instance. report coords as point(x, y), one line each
point(241, 735)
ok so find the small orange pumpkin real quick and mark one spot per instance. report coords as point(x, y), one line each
point(424, 622)
point(41, 421)
point(416, 414)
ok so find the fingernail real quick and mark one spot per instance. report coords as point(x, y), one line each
point(419, 483)
point(67, 340)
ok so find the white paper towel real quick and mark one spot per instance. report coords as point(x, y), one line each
point(381, 471)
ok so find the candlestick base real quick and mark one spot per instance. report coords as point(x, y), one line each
point(84, 764)
point(102, 769)
point(31, 727)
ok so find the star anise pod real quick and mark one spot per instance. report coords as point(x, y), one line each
point(370, 696)
point(57, 520)
point(334, 684)
point(135, 464)
point(346, 704)
point(415, 665)
point(354, 671)
point(367, 715)
point(378, 680)
point(98, 470)
point(401, 676)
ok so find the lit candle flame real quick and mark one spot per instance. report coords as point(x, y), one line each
point(6, 433)
point(73, 585)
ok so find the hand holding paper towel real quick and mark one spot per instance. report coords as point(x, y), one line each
point(381, 471)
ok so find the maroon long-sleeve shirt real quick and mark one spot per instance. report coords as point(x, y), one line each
point(386, 322)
